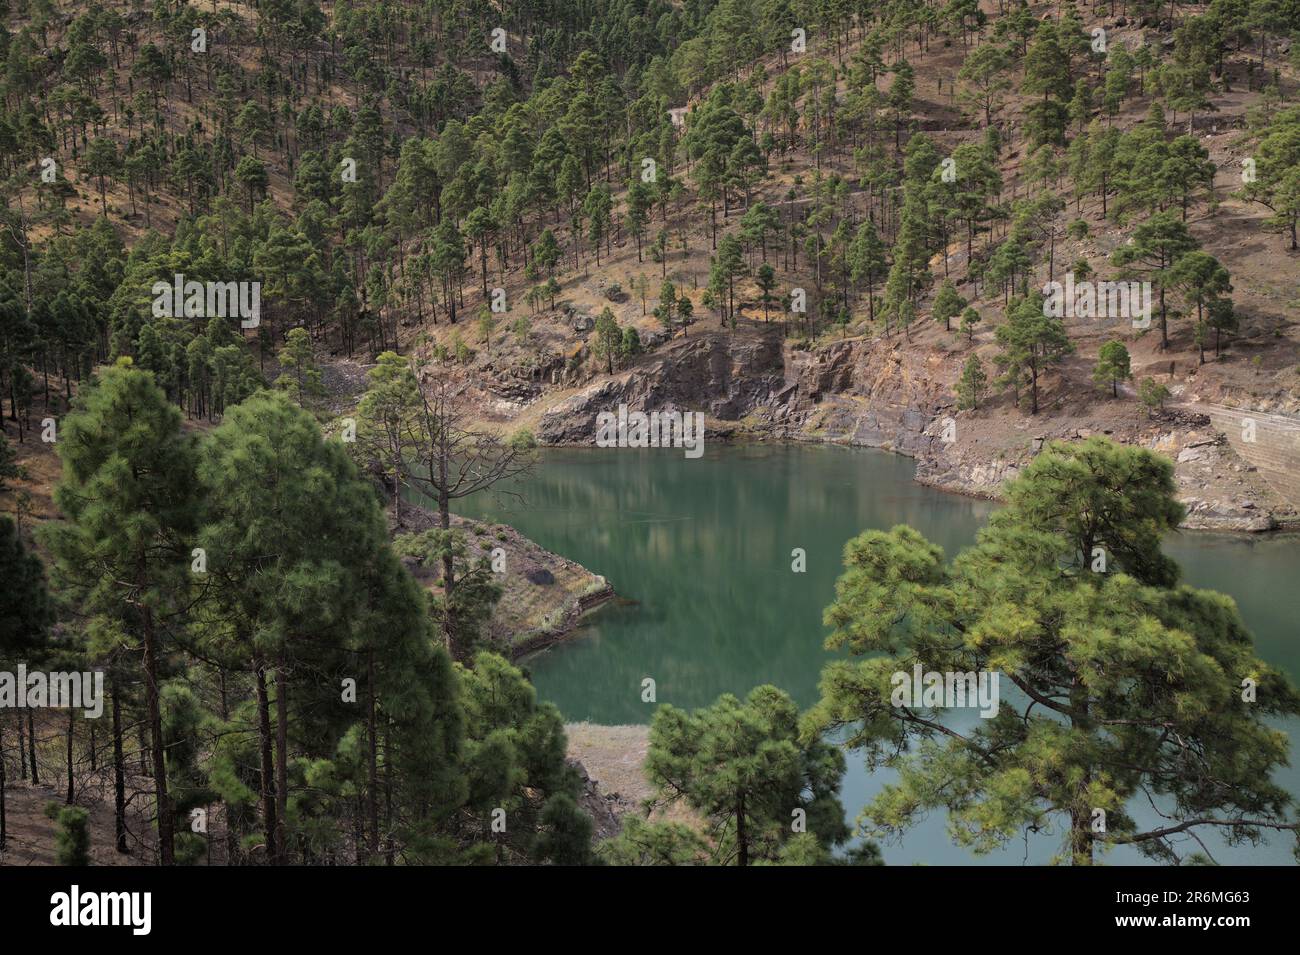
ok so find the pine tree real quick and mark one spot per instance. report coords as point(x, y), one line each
point(745, 768)
point(866, 262)
point(72, 839)
point(251, 174)
point(1031, 342)
point(947, 305)
point(640, 200)
point(971, 385)
point(643, 843)
point(759, 222)
point(1222, 318)
point(387, 421)
point(447, 458)
point(1153, 394)
point(729, 265)
point(25, 617)
point(479, 227)
point(515, 751)
point(1276, 185)
point(666, 310)
point(1112, 366)
point(909, 275)
point(1203, 281)
point(606, 338)
point(766, 279)
point(8, 461)
point(1100, 719)
point(985, 81)
point(900, 96)
point(128, 492)
point(546, 252)
point(597, 208)
point(1156, 247)
point(287, 528)
point(103, 162)
point(298, 357)
point(685, 309)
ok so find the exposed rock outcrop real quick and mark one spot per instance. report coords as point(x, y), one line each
point(721, 377)
point(544, 596)
point(884, 393)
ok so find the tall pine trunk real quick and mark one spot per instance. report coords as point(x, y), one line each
point(281, 760)
point(268, 780)
point(31, 747)
point(1081, 841)
point(448, 568)
point(742, 839)
point(119, 775)
point(373, 800)
point(166, 835)
point(72, 715)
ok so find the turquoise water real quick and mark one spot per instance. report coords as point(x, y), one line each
point(701, 553)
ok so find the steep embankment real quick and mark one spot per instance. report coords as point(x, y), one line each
point(897, 395)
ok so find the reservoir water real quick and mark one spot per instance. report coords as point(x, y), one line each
point(701, 552)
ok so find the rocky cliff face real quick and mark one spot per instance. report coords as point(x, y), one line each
point(890, 394)
point(724, 378)
point(868, 393)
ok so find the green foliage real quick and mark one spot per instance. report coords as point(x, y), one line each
point(1112, 366)
point(25, 608)
point(523, 439)
point(629, 345)
point(1204, 283)
point(1031, 341)
point(1116, 667)
point(971, 385)
point(947, 305)
point(129, 495)
point(607, 341)
point(520, 168)
point(744, 767)
point(387, 420)
point(72, 838)
point(1156, 247)
point(1276, 182)
point(984, 77)
point(1152, 393)
point(515, 760)
point(298, 357)
point(666, 310)
point(654, 843)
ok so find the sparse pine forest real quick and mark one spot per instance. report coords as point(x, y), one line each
point(283, 283)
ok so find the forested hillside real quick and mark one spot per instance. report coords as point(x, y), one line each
point(269, 268)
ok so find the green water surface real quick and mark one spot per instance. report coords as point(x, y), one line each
point(701, 553)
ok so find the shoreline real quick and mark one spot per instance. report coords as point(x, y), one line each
point(538, 641)
point(868, 393)
point(544, 597)
point(1227, 526)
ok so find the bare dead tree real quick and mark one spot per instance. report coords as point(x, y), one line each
point(448, 459)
